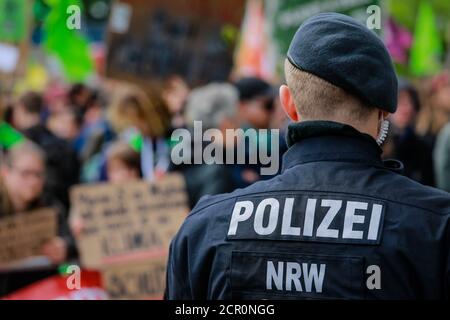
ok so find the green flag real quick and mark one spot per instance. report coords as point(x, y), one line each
point(69, 45)
point(9, 137)
point(427, 48)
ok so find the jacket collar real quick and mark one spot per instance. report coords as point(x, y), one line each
point(312, 141)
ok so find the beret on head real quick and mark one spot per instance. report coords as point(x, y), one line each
point(342, 51)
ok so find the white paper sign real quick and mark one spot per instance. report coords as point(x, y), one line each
point(9, 56)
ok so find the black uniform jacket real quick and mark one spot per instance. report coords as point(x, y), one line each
point(337, 223)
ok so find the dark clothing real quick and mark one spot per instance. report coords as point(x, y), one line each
point(204, 179)
point(416, 156)
point(62, 165)
point(336, 223)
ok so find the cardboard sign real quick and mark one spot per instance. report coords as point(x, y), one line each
point(139, 280)
point(149, 41)
point(22, 235)
point(128, 222)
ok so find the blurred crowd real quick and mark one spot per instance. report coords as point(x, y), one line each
point(119, 132)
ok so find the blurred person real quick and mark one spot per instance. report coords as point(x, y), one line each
point(22, 189)
point(123, 166)
point(96, 131)
point(66, 124)
point(175, 93)
point(433, 122)
point(142, 119)
point(123, 163)
point(435, 110)
point(27, 111)
point(61, 161)
point(337, 222)
point(256, 110)
point(95, 106)
point(256, 102)
point(23, 174)
point(77, 96)
point(55, 98)
point(215, 106)
point(442, 158)
point(403, 143)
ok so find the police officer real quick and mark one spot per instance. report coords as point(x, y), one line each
point(338, 222)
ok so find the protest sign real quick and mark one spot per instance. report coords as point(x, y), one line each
point(139, 280)
point(22, 235)
point(128, 222)
point(149, 41)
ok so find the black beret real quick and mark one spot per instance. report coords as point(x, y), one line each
point(342, 51)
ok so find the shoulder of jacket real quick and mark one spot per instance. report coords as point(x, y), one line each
point(211, 202)
point(410, 193)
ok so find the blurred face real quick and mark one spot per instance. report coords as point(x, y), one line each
point(175, 95)
point(256, 113)
point(442, 98)
point(118, 172)
point(229, 123)
point(82, 97)
point(405, 114)
point(20, 118)
point(24, 179)
point(63, 125)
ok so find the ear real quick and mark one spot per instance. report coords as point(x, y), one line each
point(287, 101)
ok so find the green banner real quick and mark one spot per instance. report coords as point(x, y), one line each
point(13, 20)
point(427, 50)
point(71, 46)
point(288, 15)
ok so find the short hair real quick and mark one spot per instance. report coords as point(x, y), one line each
point(317, 99)
point(211, 104)
point(123, 152)
point(26, 147)
point(74, 90)
point(32, 102)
